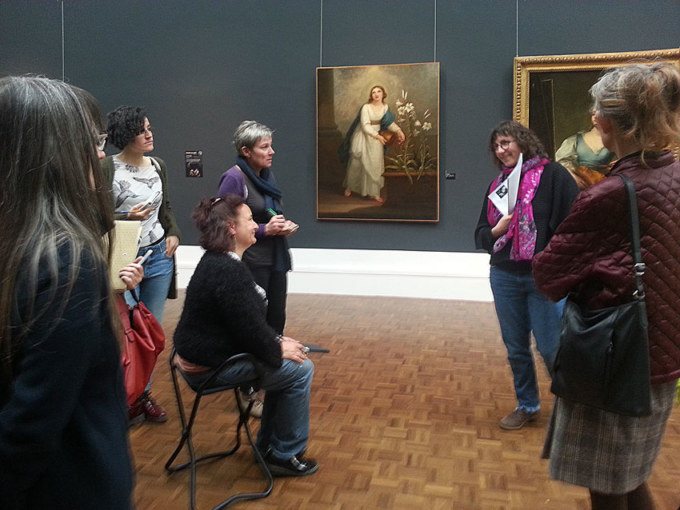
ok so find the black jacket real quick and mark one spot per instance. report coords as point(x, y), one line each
point(224, 315)
point(63, 421)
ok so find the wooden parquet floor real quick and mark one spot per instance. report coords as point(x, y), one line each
point(404, 414)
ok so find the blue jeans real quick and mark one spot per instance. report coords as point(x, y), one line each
point(522, 309)
point(153, 289)
point(285, 418)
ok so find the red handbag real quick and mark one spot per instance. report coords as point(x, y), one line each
point(143, 341)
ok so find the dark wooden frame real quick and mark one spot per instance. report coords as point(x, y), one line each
point(411, 192)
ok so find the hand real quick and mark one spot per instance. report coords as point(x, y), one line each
point(502, 226)
point(139, 212)
point(381, 139)
point(292, 349)
point(275, 226)
point(132, 274)
point(171, 244)
point(401, 137)
point(289, 228)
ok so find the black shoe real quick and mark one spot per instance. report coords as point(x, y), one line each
point(295, 466)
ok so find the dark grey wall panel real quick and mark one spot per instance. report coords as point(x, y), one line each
point(201, 67)
point(30, 38)
point(548, 27)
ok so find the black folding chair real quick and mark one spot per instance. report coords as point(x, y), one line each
point(208, 388)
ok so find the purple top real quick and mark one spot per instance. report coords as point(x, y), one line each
point(233, 181)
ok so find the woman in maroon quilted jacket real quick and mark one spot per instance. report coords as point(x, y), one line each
point(638, 114)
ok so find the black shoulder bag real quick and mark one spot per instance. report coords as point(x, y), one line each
point(603, 359)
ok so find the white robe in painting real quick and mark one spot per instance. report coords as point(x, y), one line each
point(366, 155)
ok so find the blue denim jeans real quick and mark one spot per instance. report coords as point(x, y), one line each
point(521, 309)
point(284, 428)
point(153, 289)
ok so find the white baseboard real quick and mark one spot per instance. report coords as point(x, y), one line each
point(416, 274)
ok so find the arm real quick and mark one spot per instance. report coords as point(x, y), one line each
point(401, 137)
point(579, 250)
point(109, 171)
point(232, 182)
point(365, 123)
point(484, 238)
point(566, 154)
point(165, 213)
point(243, 311)
point(565, 191)
point(132, 274)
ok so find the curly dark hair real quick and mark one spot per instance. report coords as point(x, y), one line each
point(526, 139)
point(211, 216)
point(125, 122)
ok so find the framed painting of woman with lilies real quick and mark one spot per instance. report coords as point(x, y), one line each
point(378, 142)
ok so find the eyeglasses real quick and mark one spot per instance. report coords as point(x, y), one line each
point(101, 141)
point(502, 145)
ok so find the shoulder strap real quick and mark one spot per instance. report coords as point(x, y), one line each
point(633, 216)
point(155, 163)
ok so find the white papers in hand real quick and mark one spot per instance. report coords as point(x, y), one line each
point(504, 197)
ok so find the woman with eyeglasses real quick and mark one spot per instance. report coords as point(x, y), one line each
point(545, 193)
point(63, 422)
point(140, 192)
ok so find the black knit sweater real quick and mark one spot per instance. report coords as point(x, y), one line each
point(224, 315)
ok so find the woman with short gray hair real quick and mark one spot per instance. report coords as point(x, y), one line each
point(252, 179)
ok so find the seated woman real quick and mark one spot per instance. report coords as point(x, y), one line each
point(225, 314)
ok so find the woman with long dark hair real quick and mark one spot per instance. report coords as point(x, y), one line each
point(63, 424)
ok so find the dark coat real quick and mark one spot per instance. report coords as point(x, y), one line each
point(63, 421)
point(590, 254)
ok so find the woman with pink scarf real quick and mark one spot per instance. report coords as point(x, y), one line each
point(545, 193)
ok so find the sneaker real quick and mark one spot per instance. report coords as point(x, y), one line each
point(297, 465)
point(135, 414)
point(152, 411)
point(243, 399)
point(517, 419)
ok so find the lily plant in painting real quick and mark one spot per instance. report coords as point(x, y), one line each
point(413, 157)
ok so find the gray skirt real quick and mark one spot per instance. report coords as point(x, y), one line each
point(606, 452)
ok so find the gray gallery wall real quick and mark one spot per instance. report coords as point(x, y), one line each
point(202, 66)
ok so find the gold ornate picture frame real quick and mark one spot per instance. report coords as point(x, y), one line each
point(551, 92)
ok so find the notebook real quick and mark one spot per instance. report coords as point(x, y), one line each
point(125, 247)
